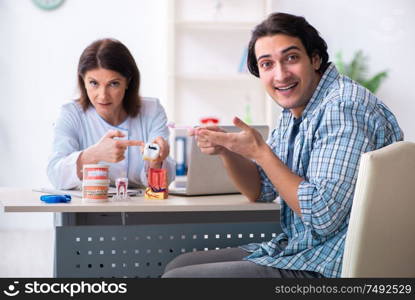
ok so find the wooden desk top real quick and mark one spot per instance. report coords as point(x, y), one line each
point(25, 200)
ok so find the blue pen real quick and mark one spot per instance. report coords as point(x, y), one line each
point(56, 198)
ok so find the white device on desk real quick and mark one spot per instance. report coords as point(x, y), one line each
point(206, 174)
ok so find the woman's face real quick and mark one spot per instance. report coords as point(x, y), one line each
point(106, 90)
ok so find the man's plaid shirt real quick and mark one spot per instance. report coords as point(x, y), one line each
point(341, 121)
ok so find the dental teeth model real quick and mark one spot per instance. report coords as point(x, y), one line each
point(121, 185)
point(151, 151)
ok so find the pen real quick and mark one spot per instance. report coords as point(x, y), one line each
point(173, 125)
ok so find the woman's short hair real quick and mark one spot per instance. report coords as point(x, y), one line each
point(112, 55)
point(291, 25)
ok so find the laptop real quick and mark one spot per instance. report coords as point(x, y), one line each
point(206, 174)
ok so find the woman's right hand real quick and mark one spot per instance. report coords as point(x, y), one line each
point(109, 149)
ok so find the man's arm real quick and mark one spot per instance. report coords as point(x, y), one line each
point(243, 173)
point(285, 181)
point(247, 145)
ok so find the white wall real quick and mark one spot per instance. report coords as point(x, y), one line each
point(39, 53)
point(383, 29)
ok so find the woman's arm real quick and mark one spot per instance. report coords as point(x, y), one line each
point(158, 129)
point(66, 148)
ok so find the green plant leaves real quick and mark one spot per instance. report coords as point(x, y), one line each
point(373, 83)
point(357, 70)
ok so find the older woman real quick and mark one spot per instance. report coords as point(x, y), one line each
point(109, 121)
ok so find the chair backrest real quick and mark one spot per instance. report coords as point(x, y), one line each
point(380, 241)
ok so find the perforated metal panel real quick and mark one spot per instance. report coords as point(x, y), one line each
point(144, 250)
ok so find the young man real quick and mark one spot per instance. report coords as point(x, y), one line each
point(310, 161)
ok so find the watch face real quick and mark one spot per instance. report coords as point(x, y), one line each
point(48, 4)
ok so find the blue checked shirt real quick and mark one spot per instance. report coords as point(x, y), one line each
point(341, 121)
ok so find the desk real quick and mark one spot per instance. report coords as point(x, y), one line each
point(138, 238)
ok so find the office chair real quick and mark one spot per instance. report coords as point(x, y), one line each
point(380, 241)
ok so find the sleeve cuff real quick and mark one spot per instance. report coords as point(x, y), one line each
point(266, 195)
point(68, 177)
point(268, 192)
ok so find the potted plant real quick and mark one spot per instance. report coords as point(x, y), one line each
point(357, 70)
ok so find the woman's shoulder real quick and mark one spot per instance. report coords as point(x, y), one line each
point(150, 106)
point(72, 107)
point(72, 112)
point(149, 101)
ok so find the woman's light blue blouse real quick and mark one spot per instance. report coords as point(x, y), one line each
point(76, 130)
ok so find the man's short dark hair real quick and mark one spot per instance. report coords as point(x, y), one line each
point(295, 26)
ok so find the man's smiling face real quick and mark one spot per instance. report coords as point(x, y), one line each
point(287, 72)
